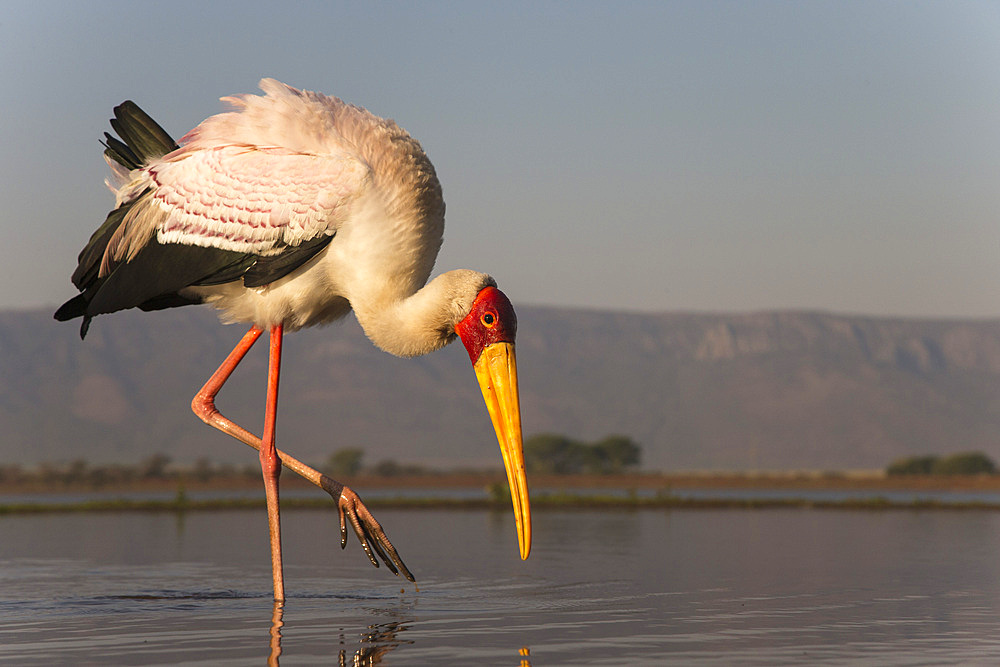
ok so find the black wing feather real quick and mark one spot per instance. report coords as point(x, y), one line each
point(89, 261)
point(268, 269)
point(160, 270)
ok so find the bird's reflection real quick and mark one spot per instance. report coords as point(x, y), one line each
point(374, 643)
point(379, 640)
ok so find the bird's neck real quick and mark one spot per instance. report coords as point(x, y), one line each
point(422, 321)
point(403, 326)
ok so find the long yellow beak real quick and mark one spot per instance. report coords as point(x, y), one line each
point(496, 371)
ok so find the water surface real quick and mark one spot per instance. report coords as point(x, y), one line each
point(684, 587)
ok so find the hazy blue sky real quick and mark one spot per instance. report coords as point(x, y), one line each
point(647, 156)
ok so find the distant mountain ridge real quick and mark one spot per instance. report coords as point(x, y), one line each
point(769, 390)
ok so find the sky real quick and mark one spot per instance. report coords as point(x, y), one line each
point(707, 156)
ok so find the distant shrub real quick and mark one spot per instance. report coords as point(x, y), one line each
point(556, 454)
point(387, 468)
point(912, 465)
point(614, 453)
point(967, 463)
point(345, 462)
point(154, 467)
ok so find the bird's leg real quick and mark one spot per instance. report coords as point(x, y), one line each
point(349, 505)
point(270, 464)
point(203, 403)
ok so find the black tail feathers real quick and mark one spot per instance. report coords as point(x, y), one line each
point(142, 139)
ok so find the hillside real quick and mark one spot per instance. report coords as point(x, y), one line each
point(752, 391)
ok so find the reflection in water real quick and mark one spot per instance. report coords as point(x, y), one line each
point(374, 644)
point(379, 640)
point(277, 615)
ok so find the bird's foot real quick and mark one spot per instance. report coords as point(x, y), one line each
point(366, 527)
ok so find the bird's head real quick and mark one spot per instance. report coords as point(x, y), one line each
point(488, 334)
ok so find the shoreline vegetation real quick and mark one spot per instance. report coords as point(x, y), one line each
point(563, 473)
point(549, 492)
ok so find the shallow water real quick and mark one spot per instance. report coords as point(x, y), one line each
point(711, 587)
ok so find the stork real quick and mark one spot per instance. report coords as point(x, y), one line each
point(290, 211)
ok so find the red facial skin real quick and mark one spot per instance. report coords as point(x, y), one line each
point(491, 320)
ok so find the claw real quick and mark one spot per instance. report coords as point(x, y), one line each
point(360, 532)
point(381, 554)
point(368, 530)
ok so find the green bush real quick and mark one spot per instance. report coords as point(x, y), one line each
point(913, 465)
point(614, 453)
point(345, 462)
point(548, 453)
point(967, 463)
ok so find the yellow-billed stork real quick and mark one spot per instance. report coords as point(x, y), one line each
point(289, 211)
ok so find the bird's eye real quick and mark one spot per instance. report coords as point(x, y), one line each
point(488, 319)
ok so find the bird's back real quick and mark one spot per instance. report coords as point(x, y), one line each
point(279, 210)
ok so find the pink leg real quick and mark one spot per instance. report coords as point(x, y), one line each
point(203, 405)
point(352, 510)
point(270, 464)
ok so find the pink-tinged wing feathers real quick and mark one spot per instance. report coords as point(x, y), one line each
point(251, 199)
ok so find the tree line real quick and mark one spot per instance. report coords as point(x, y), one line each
point(155, 467)
point(545, 453)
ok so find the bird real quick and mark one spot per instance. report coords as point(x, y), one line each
point(292, 209)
